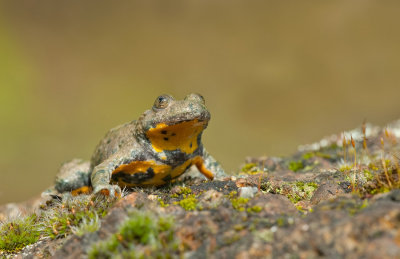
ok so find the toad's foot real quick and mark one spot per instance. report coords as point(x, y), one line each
point(108, 190)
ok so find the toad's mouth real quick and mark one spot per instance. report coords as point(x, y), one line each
point(183, 135)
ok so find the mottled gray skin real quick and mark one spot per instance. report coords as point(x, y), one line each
point(72, 175)
point(129, 142)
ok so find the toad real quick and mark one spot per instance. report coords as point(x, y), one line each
point(152, 151)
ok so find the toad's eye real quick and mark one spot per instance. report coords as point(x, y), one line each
point(162, 101)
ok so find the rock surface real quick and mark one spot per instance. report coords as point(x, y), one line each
point(316, 203)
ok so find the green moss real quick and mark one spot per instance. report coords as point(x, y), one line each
point(181, 191)
point(307, 186)
point(254, 209)
point(162, 203)
point(232, 194)
point(238, 227)
point(388, 162)
point(380, 189)
point(281, 222)
point(230, 239)
point(358, 207)
point(252, 226)
point(88, 225)
point(294, 198)
point(68, 215)
point(278, 190)
point(345, 168)
point(294, 191)
point(248, 167)
point(251, 168)
point(185, 190)
point(239, 203)
point(333, 146)
point(368, 175)
point(310, 167)
point(301, 191)
point(19, 233)
point(309, 155)
point(141, 229)
point(142, 235)
point(296, 165)
point(364, 204)
point(323, 155)
point(79, 215)
point(189, 202)
point(373, 167)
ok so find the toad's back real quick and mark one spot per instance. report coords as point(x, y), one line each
point(115, 139)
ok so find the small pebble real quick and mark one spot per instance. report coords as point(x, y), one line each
point(247, 192)
point(305, 227)
point(152, 197)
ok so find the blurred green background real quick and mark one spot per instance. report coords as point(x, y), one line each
point(275, 74)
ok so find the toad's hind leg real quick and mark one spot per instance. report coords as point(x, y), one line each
point(74, 177)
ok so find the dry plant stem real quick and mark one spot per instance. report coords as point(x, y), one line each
point(354, 179)
point(355, 159)
point(344, 148)
point(261, 175)
point(355, 163)
point(355, 152)
point(396, 163)
point(384, 164)
point(387, 133)
point(394, 140)
point(391, 137)
point(364, 130)
point(354, 169)
point(378, 180)
point(386, 172)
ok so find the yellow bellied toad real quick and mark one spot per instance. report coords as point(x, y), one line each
point(151, 151)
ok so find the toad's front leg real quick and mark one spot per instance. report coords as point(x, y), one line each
point(100, 179)
point(208, 166)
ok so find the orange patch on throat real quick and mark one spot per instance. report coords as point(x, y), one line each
point(181, 136)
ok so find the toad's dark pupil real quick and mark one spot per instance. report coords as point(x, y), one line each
point(202, 98)
point(161, 102)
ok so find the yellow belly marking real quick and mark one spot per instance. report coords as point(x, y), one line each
point(142, 166)
point(161, 172)
point(181, 136)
